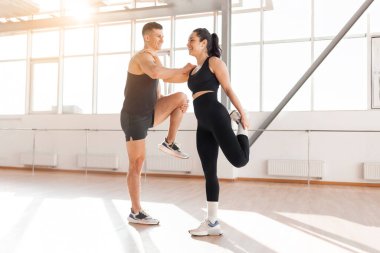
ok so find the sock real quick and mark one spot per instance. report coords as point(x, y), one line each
point(166, 140)
point(212, 211)
point(241, 130)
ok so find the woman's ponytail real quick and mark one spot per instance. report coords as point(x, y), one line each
point(213, 48)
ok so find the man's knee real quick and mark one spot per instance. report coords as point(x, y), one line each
point(136, 164)
point(181, 97)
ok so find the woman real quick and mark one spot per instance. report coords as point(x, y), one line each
point(214, 123)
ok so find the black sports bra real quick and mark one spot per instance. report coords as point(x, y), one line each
point(203, 80)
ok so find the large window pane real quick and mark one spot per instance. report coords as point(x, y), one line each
point(248, 34)
point(289, 19)
point(79, 41)
point(45, 44)
point(184, 27)
point(181, 58)
point(166, 29)
point(374, 11)
point(77, 84)
point(115, 38)
point(331, 16)
point(13, 47)
point(44, 86)
point(284, 64)
point(12, 87)
point(112, 74)
point(245, 75)
point(340, 82)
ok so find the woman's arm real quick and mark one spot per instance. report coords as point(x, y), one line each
point(221, 72)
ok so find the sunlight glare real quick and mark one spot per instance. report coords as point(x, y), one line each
point(80, 11)
point(349, 230)
point(11, 211)
point(71, 225)
point(279, 236)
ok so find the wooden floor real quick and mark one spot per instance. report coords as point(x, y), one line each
point(70, 212)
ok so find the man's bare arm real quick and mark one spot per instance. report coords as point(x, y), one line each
point(155, 70)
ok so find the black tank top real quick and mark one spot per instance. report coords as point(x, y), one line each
point(140, 94)
point(203, 80)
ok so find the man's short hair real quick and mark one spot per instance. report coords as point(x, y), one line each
point(150, 26)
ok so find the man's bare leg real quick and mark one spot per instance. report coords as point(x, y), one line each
point(170, 106)
point(136, 155)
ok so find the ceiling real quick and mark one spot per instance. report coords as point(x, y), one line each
point(11, 9)
point(17, 8)
point(21, 15)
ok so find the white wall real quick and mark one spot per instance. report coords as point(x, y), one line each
point(343, 152)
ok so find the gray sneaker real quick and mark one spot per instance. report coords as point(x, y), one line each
point(172, 149)
point(142, 218)
point(235, 116)
point(207, 228)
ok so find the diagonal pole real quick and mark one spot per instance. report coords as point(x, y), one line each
point(310, 71)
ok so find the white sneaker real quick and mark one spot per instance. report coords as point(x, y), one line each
point(172, 149)
point(142, 218)
point(207, 228)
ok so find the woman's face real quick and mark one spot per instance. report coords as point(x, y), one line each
point(195, 46)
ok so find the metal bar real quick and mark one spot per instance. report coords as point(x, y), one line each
point(34, 150)
point(226, 43)
point(310, 71)
point(308, 158)
point(194, 130)
point(86, 151)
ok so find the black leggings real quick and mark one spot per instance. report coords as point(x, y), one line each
point(214, 131)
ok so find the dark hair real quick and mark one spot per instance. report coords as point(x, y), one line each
point(150, 26)
point(213, 48)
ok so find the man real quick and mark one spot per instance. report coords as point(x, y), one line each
point(145, 107)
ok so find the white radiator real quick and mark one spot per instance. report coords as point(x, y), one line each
point(40, 159)
point(371, 171)
point(296, 168)
point(98, 161)
point(168, 163)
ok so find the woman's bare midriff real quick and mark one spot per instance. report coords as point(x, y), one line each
point(200, 93)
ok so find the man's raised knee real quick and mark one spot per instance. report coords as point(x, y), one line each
point(181, 97)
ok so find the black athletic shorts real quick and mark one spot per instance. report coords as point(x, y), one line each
point(136, 127)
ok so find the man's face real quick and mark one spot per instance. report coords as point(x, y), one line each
point(154, 39)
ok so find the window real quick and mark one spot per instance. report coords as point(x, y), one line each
point(238, 21)
point(373, 10)
point(12, 88)
point(182, 57)
point(44, 92)
point(79, 41)
point(114, 38)
point(375, 72)
point(340, 83)
point(331, 16)
point(184, 27)
point(13, 47)
point(45, 44)
point(112, 75)
point(78, 85)
point(279, 77)
point(289, 19)
point(245, 75)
